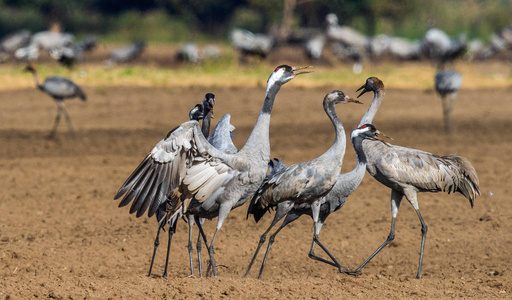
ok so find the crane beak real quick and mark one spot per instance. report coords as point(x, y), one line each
point(378, 135)
point(299, 70)
point(351, 100)
point(362, 88)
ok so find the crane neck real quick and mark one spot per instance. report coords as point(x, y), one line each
point(378, 96)
point(36, 80)
point(258, 140)
point(338, 148)
point(357, 142)
point(205, 127)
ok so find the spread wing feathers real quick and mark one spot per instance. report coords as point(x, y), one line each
point(429, 172)
point(298, 182)
point(183, 160)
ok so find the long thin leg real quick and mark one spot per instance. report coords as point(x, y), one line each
point(412, 198)
point(446, 114)
point(211, 254)
point(315, 213)
point(172, 230)
point(68, 119)
point(396, 198)
point(190, 224)
point(199, 246)
point(280, 213)
point(201, 232)
point(157, 243)
point(270, 242)
point(57, 119)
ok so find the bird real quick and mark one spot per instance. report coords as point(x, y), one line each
point(126, 54)
point(304, 183)
point(15, 40)
point(437, 46)
point(408, 172)
point(345, 184)
point(447, 82)
point(59, 88)
point(185, 172)
point(203, 112)
point(249, 43)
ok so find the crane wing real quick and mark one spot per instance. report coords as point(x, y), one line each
point(183, 164)
point(425, 171)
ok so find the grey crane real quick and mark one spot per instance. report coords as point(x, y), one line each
point(249, 43)
point(127, 53)
point(15, 40)
point(304, 183)
point(439, 47)
point(59, 88)
point(345, 184)
point(187, 173)
point(203, 112)
point(448, 83)
point(408, 172)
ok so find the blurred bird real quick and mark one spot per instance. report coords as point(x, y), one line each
point(59, 88)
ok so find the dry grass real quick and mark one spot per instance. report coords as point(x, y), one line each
point(227, 74)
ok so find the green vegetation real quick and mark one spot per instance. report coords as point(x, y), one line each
point(208, 20)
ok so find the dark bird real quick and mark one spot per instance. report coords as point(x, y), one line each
point(408, 172)
point(186, 173)
point(448, 83)
point(59, 88)
point(305, 183)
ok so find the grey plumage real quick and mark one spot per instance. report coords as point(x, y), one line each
point(15, 40)
point(249, 43)
point(409, 171)
point(302, 184)
point(126, 54)
point(447, 83)
point(187, 173)
point(221, 135)
point(59, 88)
point(199, 112)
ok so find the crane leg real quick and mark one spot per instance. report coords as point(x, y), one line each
point(270, 242)
point(199, 246)
point(157, 243)
point(57, 121)
point(201, 232)
point(190, 224)
point(412, 198)
point(212, 257)
point(315, 212)
point(446, 114)
point(396, 198)
point(68, 120)
point(280, 213)
point(172, 230)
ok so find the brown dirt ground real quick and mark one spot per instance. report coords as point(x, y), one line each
point(62, 236)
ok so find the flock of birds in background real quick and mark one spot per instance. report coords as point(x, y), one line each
point(346, 43)
point(194, 176)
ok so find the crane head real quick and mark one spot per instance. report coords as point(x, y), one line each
point(372, 84)
point(209, 102)
point(197, 113)
point(30, 68)
point(338, 96)
point(368, 131)
point(285, 73)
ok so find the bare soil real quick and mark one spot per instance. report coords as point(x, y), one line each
point(62, 235)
